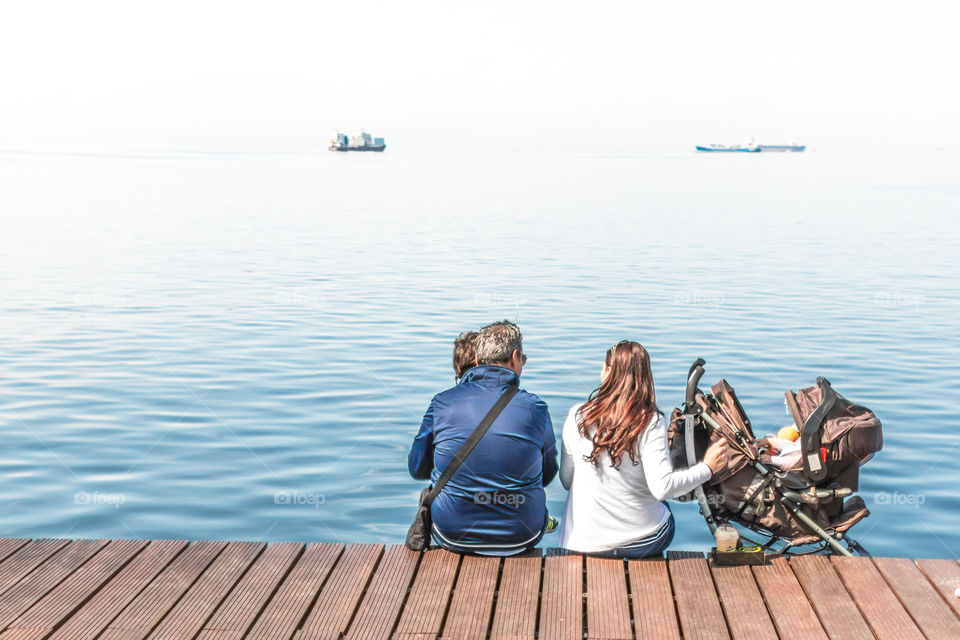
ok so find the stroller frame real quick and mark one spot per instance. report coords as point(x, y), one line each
point(692, 414)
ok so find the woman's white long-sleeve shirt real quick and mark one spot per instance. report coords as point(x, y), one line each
point(610, 507)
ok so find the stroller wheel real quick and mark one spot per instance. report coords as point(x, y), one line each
point(857, 548)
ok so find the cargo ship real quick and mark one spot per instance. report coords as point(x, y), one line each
point(792, 148)
point(732, 148)
point(363, 141)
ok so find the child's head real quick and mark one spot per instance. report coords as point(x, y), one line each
point(464, 352)
point(789, 432)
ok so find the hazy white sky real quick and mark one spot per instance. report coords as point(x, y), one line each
point(600, 76)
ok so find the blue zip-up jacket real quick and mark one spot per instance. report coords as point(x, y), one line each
point(496, 497)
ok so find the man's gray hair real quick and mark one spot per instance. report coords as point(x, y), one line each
point(498, 341)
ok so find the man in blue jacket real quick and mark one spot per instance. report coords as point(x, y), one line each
point(494, 504)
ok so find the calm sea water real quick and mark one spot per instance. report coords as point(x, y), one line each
point(242, 346)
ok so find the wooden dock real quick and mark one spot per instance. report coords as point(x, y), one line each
point(178, 590)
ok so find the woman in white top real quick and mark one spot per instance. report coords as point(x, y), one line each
point(615, 464)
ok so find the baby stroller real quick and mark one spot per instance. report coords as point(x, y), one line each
point(806, 507)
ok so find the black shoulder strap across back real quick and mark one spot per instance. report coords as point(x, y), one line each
point(471, 442)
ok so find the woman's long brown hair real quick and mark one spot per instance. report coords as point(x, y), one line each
point(622, 406)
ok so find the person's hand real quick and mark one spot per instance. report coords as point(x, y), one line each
point(715, 455)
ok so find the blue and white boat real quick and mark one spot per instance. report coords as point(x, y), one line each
point(752, 147)
point(725, 148)
point(792, 147)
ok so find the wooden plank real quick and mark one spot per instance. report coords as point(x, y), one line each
point(426, 605)
point(286, 610)
point(220, 634)
point(25, 634)
point(747, 616)
point(45, 578)
point(472, 605)
point(388, 588)
point(9, 545)
point(335, 607)
point(139, 617)
point(169, 590)
point(58, 604)
point(654, 612)
point(944, 575)
point(247, 599)
point(608, 608)
point(921, 600)
point(25, 560)
point(837, 612)
point(879, 605)
point(698, 606)
point(96, 614)
point(515, 616)
point(792, 613)
point(187, 617)
point(561, 608)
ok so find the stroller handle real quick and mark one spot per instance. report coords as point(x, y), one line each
point(693, 379)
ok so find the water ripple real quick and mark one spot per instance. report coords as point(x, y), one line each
point(241, 347)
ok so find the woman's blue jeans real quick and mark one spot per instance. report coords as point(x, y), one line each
point(652, 545)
